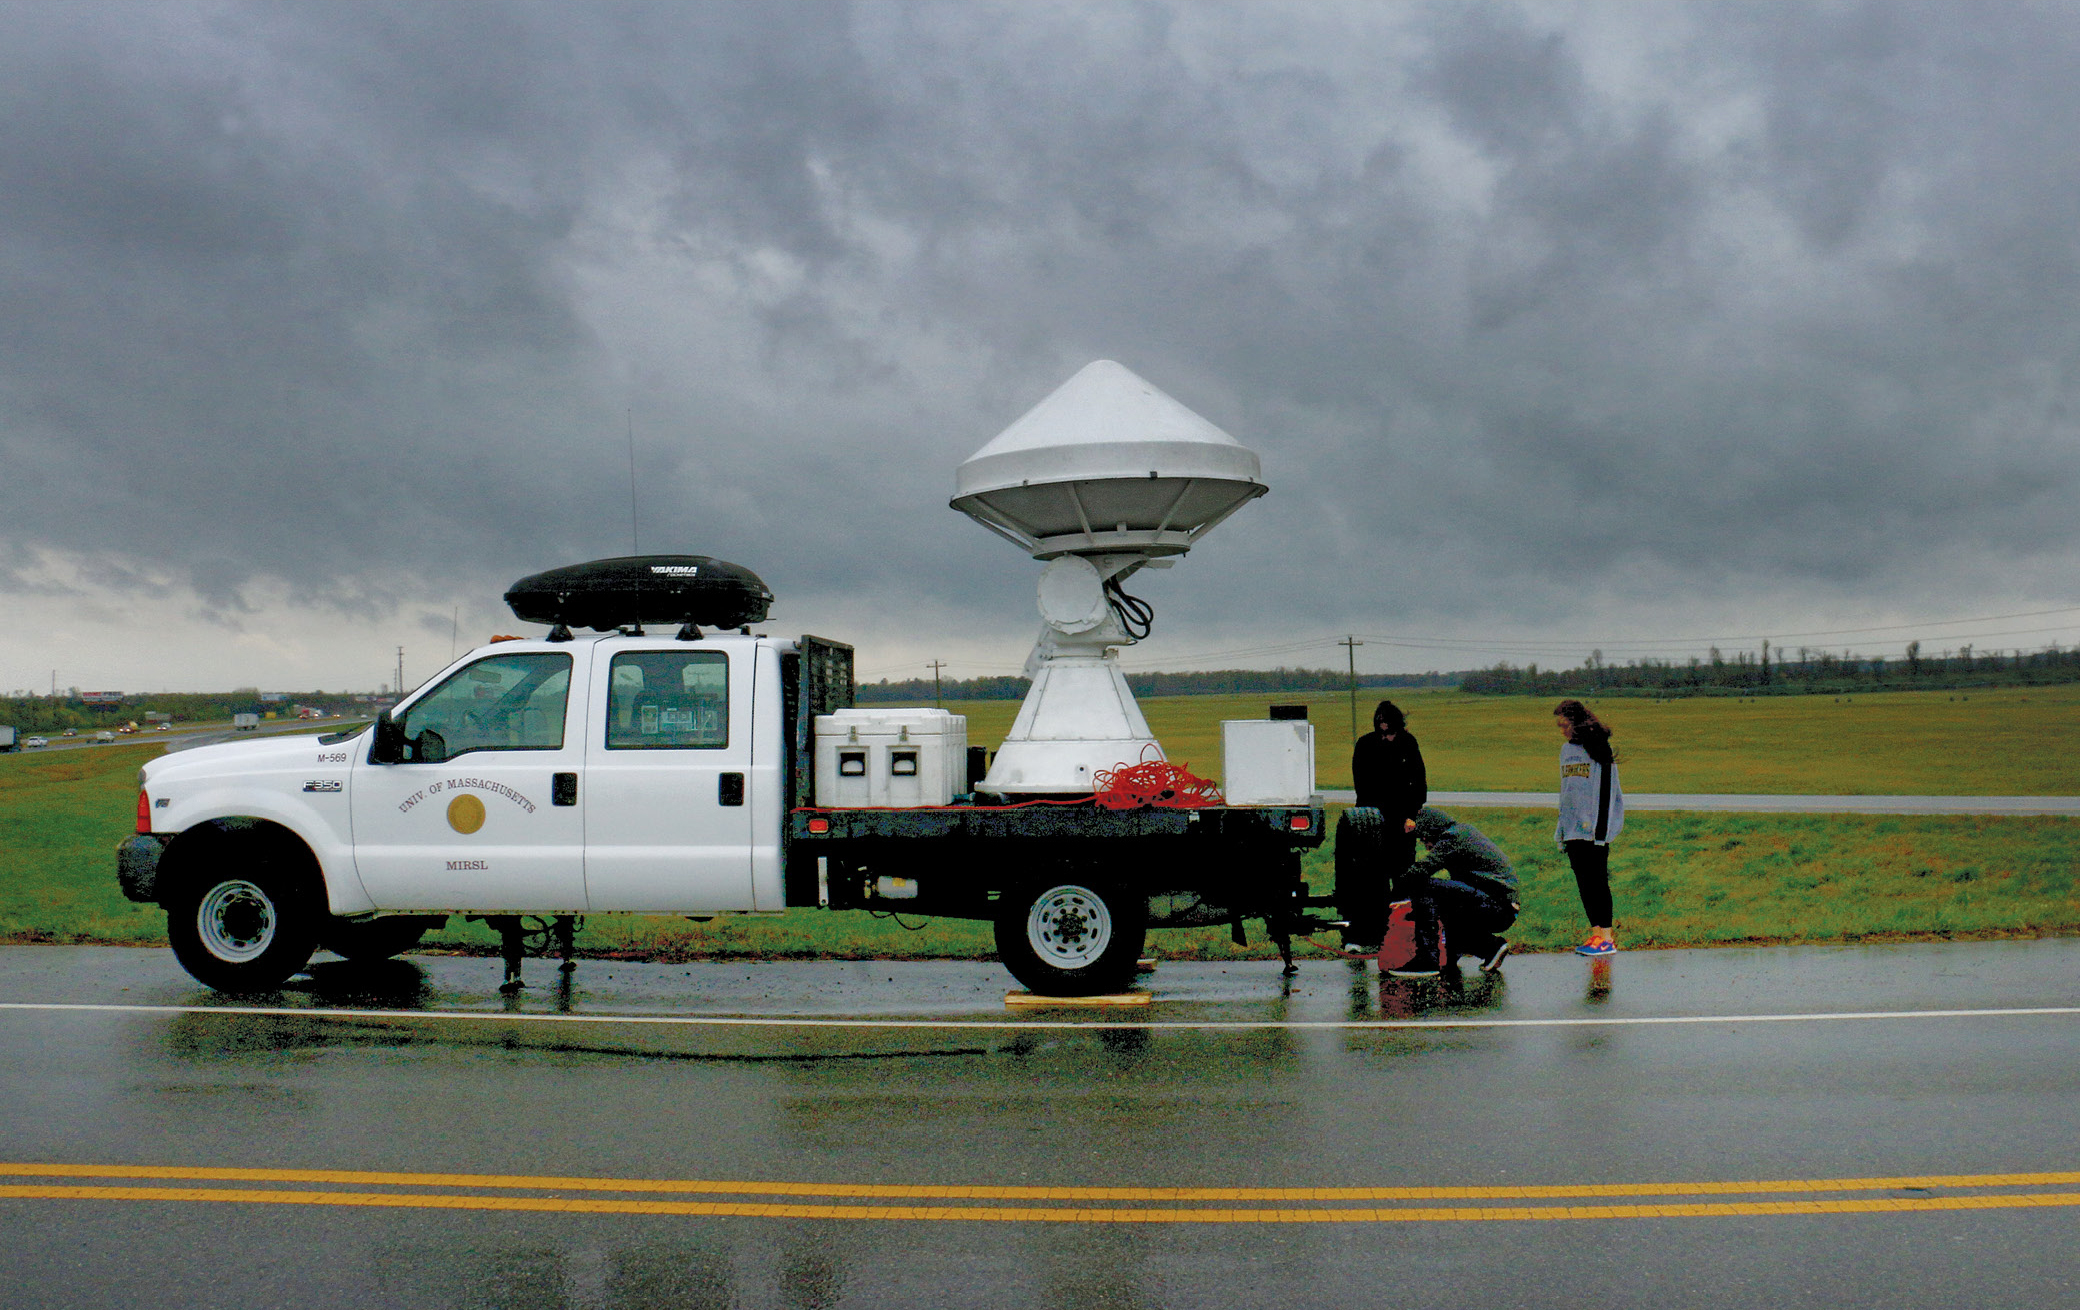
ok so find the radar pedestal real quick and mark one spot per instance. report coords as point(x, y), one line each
point(1105, 477)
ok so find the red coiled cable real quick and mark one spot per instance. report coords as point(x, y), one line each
point(1154, 782)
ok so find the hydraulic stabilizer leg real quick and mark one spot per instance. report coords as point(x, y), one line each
point(1282, 937)
point(512, 945)
point(565, 930)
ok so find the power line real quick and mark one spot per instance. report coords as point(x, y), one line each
point(1145, 661)
point(1780, 636)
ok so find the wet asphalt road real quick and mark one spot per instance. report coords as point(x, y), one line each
point(1563, 1076)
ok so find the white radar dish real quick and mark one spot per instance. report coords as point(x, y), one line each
point(1107, 464)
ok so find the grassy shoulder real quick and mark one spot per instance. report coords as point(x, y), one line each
point(1680, 880)
point(61, 815)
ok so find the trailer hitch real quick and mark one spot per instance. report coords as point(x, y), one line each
point(1283, 928)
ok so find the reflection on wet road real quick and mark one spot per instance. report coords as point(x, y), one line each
point(1840, 1126)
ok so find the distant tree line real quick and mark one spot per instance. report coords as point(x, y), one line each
point(1768, 672)
point(1221, 682)
point(1780, 672)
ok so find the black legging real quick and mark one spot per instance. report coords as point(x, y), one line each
point(1592, 876)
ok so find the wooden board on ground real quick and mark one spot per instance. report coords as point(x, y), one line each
point(1113, 998)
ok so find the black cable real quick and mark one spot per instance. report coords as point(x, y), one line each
point(1136, 615)
point(876, 914)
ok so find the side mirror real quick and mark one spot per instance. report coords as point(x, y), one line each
point(388, 747)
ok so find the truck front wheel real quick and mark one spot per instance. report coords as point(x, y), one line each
point(243, 930)
point(1072, 939)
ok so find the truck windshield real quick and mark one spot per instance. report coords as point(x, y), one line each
point(503, 703)
point(668, 700)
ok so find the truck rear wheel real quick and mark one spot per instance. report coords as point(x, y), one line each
point(245, 927)
point(1072, 939)
point(378, 939)
point(1361, 891)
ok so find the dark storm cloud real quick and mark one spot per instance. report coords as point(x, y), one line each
point(1511, 299)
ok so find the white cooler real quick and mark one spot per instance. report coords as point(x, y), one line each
point(1267, 761)
point(896, 759)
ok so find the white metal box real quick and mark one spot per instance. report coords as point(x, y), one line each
point(1267, 761)
point(891, 758)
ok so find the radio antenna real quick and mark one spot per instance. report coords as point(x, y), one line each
point(635, 544)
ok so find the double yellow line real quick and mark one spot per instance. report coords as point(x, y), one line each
point(1133, 1205)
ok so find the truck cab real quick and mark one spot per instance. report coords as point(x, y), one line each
point(594, 774)
point(602, 774)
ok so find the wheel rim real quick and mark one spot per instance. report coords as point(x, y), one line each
point(236, 921)
point(1069, 927)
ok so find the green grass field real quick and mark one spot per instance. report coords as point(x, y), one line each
point(2021, 741)
point(1680, 879)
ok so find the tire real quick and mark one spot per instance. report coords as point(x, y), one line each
point(1361, 891)
point(1071, 939)
point(378, 939)
point(249, 921)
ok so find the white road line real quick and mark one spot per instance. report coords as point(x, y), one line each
point(1015, 1025)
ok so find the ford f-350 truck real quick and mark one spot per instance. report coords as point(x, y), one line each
point(718, 772)
point(631, 773)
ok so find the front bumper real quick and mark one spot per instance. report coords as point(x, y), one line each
point(137, 866)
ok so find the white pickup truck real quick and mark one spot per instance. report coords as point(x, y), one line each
point(646, 773)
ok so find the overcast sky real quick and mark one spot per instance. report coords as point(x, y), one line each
point(1633, 326)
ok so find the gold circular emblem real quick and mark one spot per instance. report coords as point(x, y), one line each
point(465, 813)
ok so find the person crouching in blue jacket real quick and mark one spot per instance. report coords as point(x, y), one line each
point(1474, 901)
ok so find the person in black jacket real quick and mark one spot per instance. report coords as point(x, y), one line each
point(1387, 770)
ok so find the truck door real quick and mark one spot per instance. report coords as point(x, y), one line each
point(481, 812)
point(667, 762)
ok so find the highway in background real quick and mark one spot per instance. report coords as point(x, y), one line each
point(183, 736)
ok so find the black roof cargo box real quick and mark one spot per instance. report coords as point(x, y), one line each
point(614, 593)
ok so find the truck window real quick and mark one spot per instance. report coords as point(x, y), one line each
point(668, 700)
point(503, 703)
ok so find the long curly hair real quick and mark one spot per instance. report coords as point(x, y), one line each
point(1590, 733)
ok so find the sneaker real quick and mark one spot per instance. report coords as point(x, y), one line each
point(1361, 952)
point(1494, 960)
point(1414, 969)
point(1598, 947)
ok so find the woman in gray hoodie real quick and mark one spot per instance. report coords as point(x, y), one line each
point(1592, 814)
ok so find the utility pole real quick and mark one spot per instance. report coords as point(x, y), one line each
point(1351, 644)
point(936, 666)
